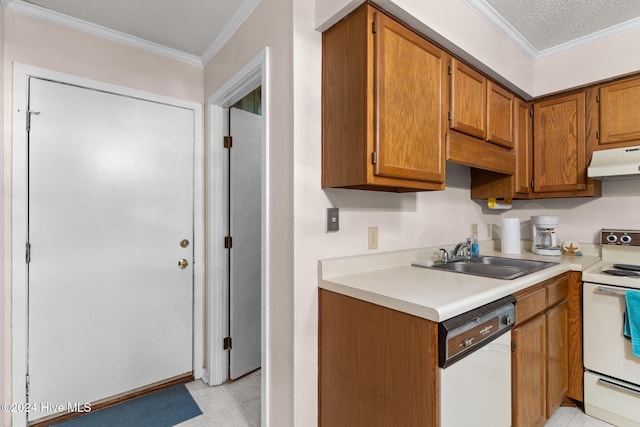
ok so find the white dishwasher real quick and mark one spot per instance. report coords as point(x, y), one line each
point(475, 366)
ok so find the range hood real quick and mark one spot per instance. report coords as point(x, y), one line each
point(615, 163)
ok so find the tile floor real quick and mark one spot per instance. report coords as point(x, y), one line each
point(237, 404)
point(234, 404)
point(573, 417)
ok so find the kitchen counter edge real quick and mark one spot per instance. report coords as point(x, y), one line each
point(388, 279)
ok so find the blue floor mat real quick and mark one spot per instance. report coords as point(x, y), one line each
point(163, 408)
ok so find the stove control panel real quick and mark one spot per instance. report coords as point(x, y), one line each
point(620, 237)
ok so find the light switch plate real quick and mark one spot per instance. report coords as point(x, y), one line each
point(333, 219)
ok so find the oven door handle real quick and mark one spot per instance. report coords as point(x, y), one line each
point(613, 291)
point(619, 386)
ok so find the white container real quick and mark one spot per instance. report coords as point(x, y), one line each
point(511, 236)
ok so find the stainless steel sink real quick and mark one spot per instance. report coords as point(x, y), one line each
point(494, 267)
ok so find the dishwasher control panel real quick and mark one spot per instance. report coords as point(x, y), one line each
point(463, 334)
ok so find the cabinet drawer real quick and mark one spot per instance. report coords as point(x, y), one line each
point(530, 304)
point(557, 291)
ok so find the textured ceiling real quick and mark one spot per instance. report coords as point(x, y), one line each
point(186, 25)
point(549, 23)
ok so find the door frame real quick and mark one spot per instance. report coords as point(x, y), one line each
point(19, 201)
point(252, 75)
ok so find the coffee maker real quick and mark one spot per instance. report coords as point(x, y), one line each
point(543, 235)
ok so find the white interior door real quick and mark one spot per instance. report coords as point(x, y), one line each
point(245, 219)
point(110, 200)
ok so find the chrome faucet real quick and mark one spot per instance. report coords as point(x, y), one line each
point(462, 250)
point(445, 256)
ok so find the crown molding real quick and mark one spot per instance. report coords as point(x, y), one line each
point(493, 18)
point(239, 16)
point(38, 12)
point(496, 20)
point(623, 27)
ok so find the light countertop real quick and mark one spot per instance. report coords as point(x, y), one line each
point(389, 280)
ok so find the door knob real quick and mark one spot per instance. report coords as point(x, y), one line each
point(183, 263)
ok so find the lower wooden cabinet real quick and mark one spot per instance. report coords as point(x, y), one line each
point(557, 355)
point(376, 367)
point(540, 373)
point(576, 364)
point(529, 374)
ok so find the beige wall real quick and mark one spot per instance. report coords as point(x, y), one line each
point(42, 44)
point(271, 25)
point(34, 42)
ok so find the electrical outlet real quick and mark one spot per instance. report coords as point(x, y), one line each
point(489, 231)
point(373, 238)
point(474, 230)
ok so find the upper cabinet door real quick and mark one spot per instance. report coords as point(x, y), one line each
point(468, 100)
point(409, 75)
point(620, 112)
point(523, 147)
point(559, 144)
point(500, 111)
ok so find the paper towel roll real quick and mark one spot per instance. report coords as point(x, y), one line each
point(510, 236)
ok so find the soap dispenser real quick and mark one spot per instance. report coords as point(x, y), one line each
point(475, 246)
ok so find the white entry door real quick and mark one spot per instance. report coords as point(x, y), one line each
point(110, 201)
point(245, 212)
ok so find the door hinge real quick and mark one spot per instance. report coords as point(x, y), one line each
point(532, 182)
point(28, 253)
point(449, 115)
point(374, 27)
point(228, 242)
point(26, 382)
point(450, 69)
point(531, 112)
point(226, 343)
point(374, 158)
point(598, 134)
point(513, 345)
point(598, 98)
point(29, 113)
point(228, 142)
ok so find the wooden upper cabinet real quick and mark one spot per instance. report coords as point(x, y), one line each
point(500, 111)
point(620, 113)
point(524, 148)
point(559, 144)
point(409, 75)
point(468, 100)
point(383, 106)
point(479, 107)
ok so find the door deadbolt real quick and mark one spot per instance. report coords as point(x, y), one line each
point(184, 243)
point(183, 263)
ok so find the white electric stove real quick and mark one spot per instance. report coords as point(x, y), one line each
point(612, 372)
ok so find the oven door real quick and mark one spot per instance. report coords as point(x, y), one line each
point(606, 350)
point(612, 378)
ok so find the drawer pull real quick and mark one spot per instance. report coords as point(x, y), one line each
point(619, 386)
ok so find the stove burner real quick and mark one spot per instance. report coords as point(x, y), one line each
point(624, 273)
point(627, 267)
